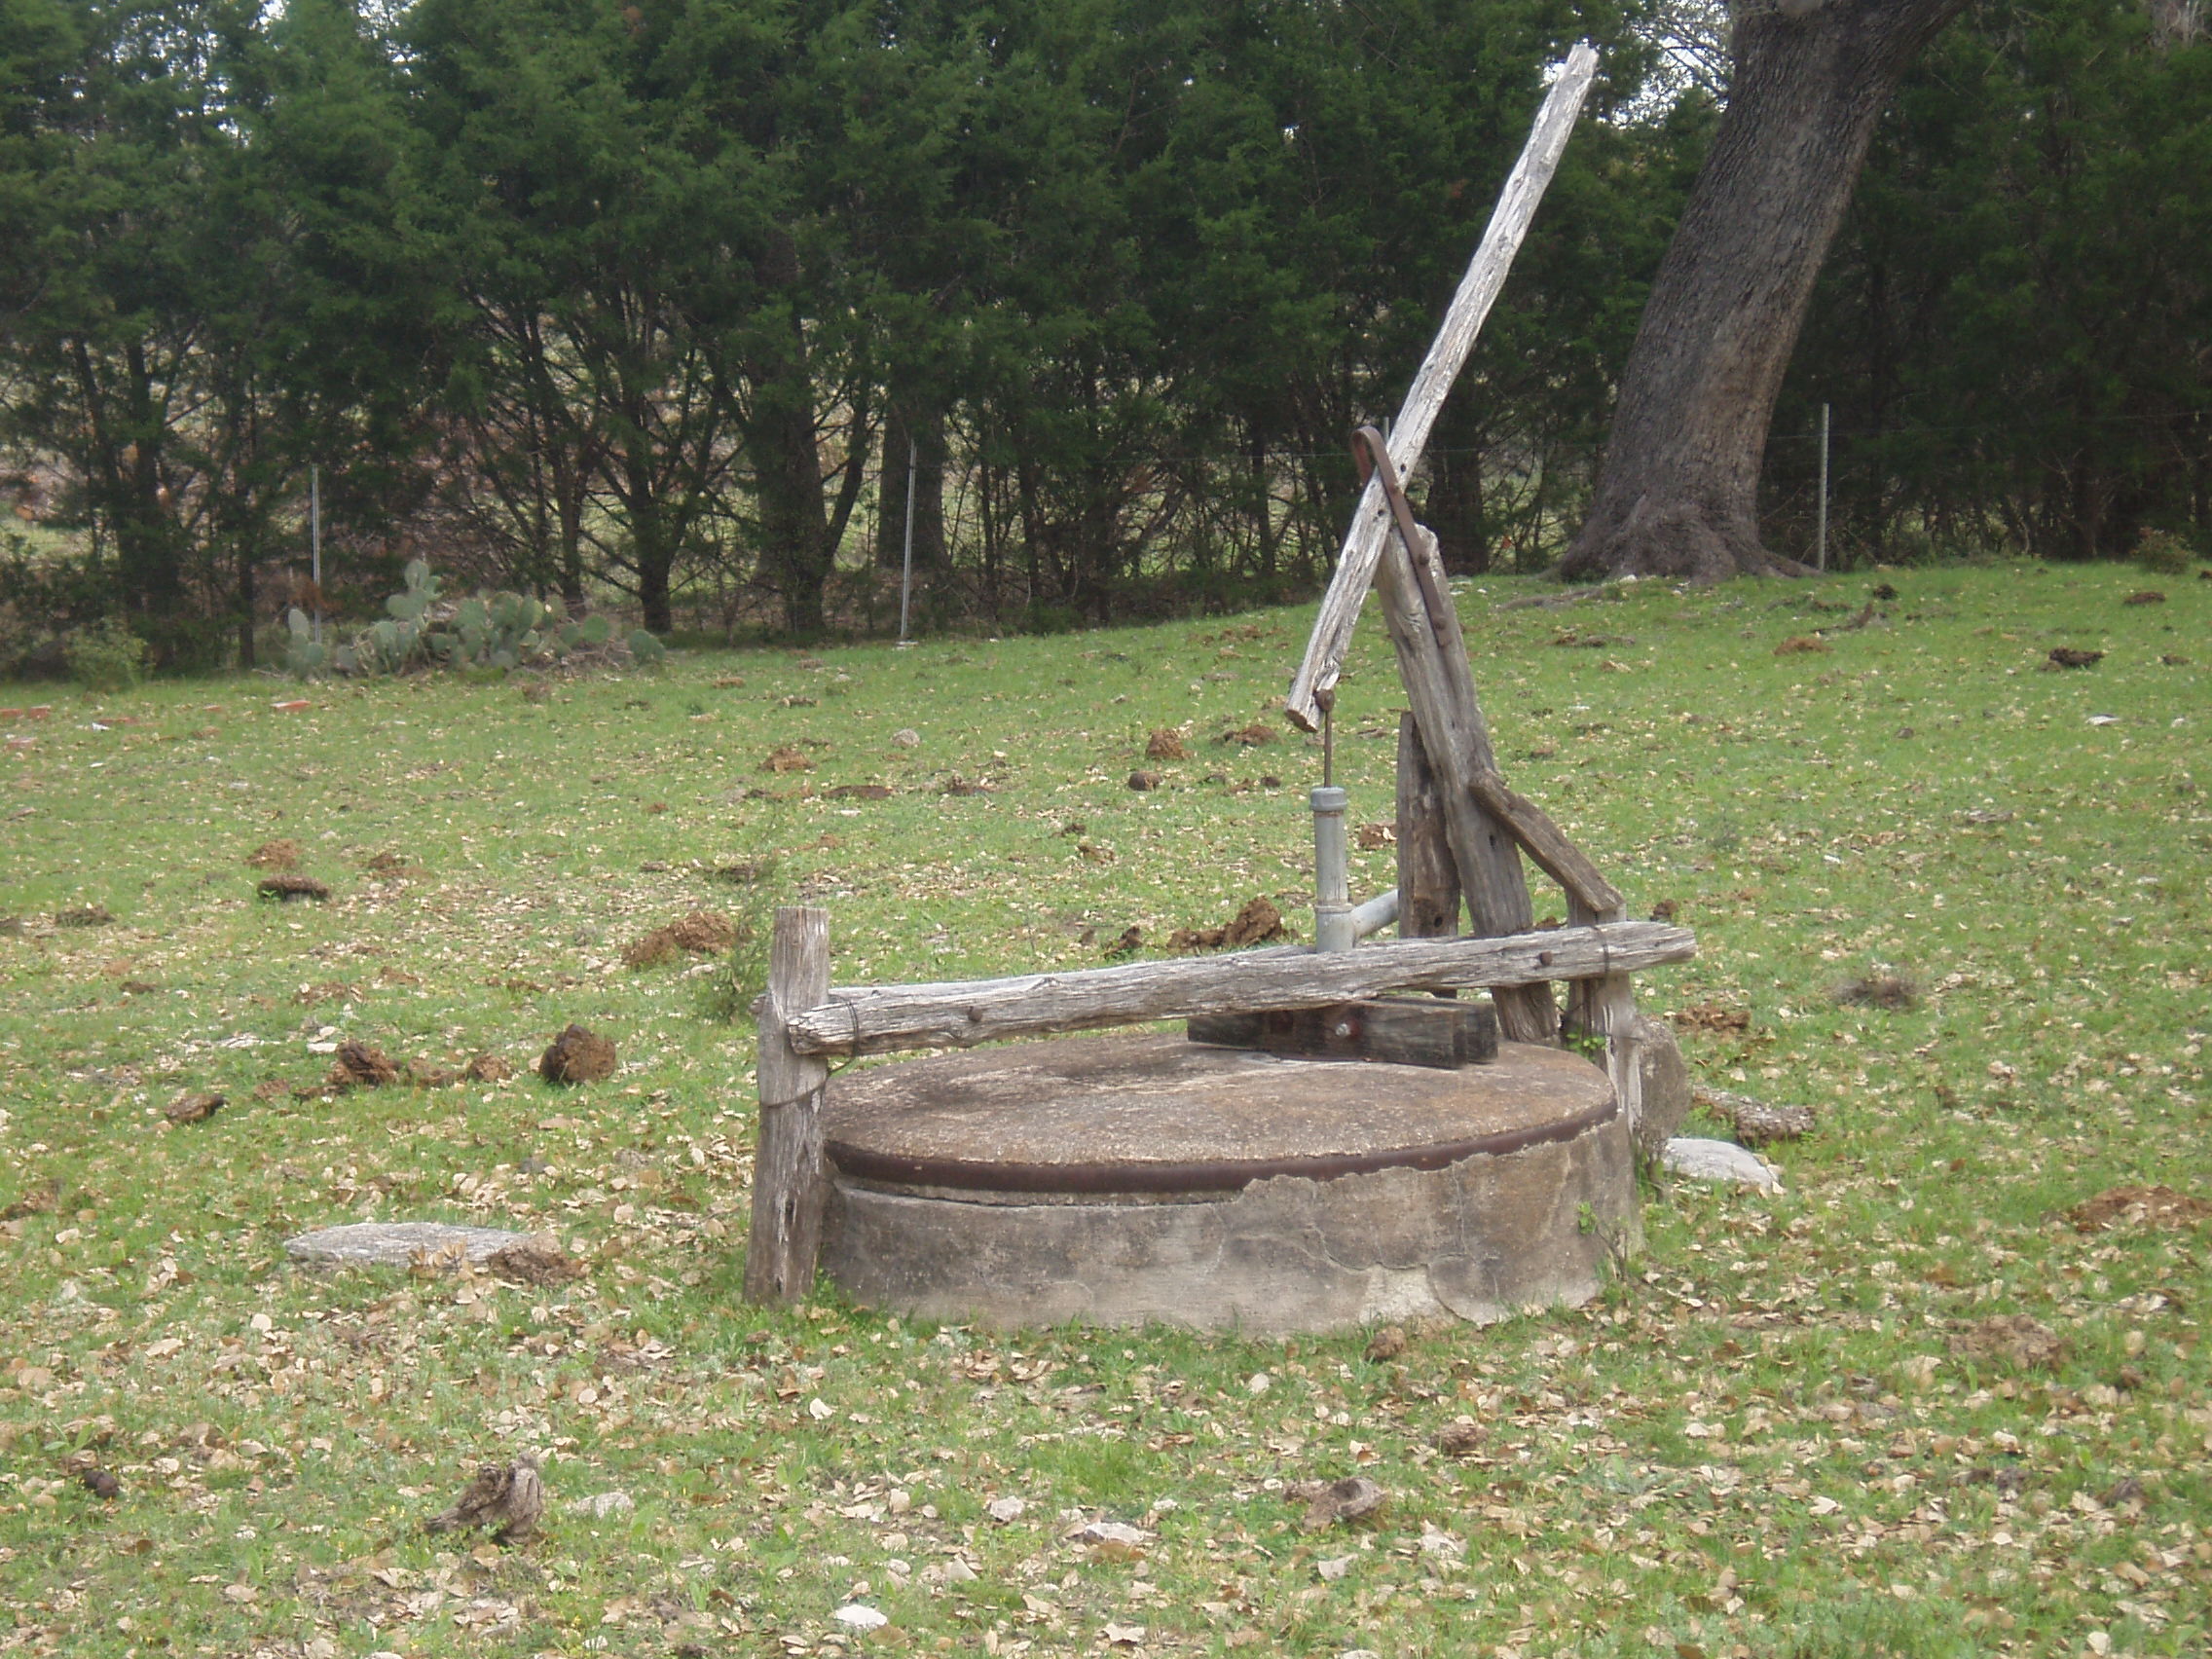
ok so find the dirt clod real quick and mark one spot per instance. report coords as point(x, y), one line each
point(858, 791)
point(488, 1068)
point(1462, 1439)
point(2148, 596)
point(577, 1056)
point(360, 1066)
point(280, 854)
point(1259, 922)
point(1166, 743)
point(287, 888)
point(1387, 1344)
point(1890, 991)
point(786, 759)
point(536, 1260)
point(1799, 645)
point(1372, 836)
point(99, 1483)
point(1331, 1502)
point(1250, 736)
point(2066, 656)
point(2012, 1339)
point(2138, 1206)
point(84, 916)
point(1142, 781)
point(744, 873)
point(42, 1199)
point(191, 1108)
point(1711, 1018)
point(1665, 910)
point(1129, 945)
point(702, 933)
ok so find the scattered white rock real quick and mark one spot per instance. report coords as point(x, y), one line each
point(601, 1505)
point(1259, 1382)
point(1719, 1160)
point(1435, 1541)
point(1005, 1509)
point(907, 737)
point(1335, 1567)
point(856, 1615)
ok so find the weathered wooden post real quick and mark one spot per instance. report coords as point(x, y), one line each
point(787, 1162)
point(1428, 882)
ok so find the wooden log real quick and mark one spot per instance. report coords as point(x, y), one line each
point(1370, 528)
point(787, 1162)
point(1405, 1031)
point(1432, 662)
point(1546, 842)
point(1428, 881)
point(884, 1018)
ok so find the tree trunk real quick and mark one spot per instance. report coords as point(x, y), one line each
point(1679, 494)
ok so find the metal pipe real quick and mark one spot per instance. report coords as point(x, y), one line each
point(1378, 913)
point(1332, 882)
point(906, 564)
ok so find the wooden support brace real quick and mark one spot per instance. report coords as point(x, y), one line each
point(1403, 1031)
point(1546, 842)
point(1428, 881)
point(1456, 741)
point(786, 1162)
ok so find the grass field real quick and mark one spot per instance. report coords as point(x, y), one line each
point(1782, 1431)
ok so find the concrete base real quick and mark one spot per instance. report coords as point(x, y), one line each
point(1128, 1179)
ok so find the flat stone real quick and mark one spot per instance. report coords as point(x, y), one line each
point(1092, 1115)
point(1697, 1159)
point(1130, 1179)
point(396, 1243)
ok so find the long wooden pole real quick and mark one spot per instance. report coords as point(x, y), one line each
point(881, 1020)
point(1409, 434)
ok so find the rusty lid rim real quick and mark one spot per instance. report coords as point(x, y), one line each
point(866, 1164)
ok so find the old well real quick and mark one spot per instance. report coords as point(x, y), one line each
point(1133, 1178)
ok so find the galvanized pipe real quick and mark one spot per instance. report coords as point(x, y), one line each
point(1378, 913)
point(1332, 881)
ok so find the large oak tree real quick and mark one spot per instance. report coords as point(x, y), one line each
point(1679, 492)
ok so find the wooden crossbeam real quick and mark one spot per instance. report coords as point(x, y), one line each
point(880, 1019)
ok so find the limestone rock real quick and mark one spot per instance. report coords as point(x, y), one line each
point(1719, 1161)
point(1665, 1087)
point(399, 1244)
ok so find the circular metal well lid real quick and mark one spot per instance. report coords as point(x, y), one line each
point(1157, 1114)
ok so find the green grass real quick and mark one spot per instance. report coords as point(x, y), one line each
point(1733, 1451)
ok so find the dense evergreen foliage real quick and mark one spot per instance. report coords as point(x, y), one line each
point(660, 297)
